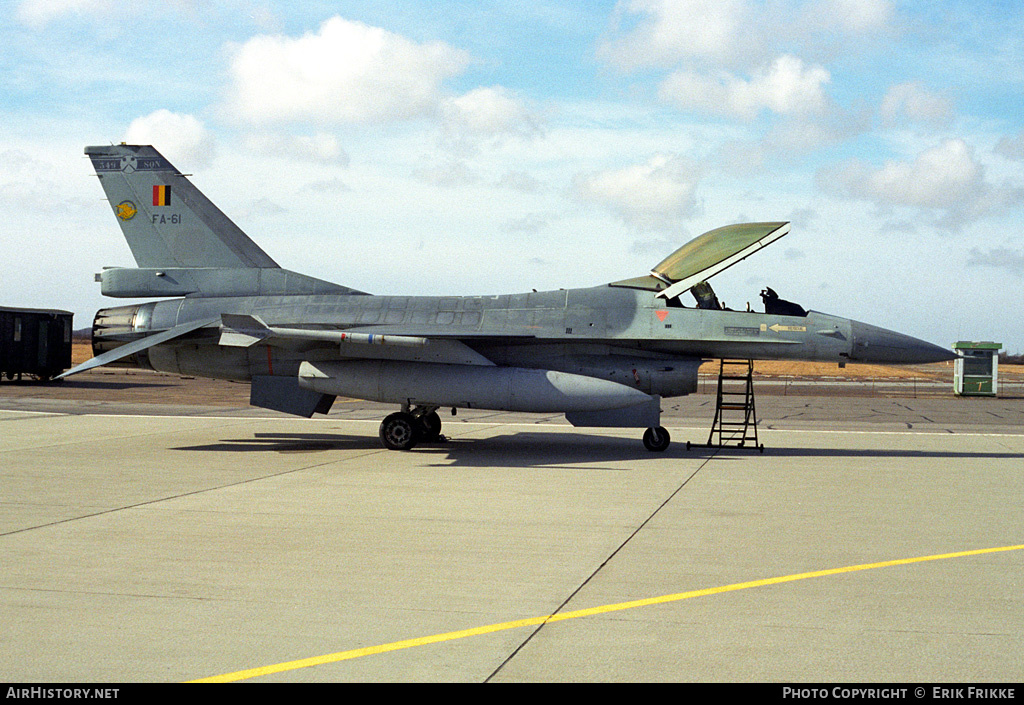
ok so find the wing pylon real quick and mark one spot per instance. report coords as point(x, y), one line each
point(242, 331)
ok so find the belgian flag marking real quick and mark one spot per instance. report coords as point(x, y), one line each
point(161, 195)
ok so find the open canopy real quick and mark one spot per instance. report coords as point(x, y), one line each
point(707, 255)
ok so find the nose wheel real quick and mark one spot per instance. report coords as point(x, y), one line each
point(656, 439)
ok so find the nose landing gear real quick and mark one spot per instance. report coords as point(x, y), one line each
point(656, 439)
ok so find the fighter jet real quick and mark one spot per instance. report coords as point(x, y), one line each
point(604, 356)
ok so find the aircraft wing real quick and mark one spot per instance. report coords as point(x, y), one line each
point(376, 342)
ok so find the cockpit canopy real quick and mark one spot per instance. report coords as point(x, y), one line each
point(689, 267)
point(705, 256)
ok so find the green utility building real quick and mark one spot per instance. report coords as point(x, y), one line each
point(976, 371)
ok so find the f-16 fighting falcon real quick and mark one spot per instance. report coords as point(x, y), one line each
point(604, 356)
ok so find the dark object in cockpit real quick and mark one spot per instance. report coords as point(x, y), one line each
point(780, 307)
point(705, 296)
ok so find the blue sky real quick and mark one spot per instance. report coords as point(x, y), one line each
point(485, 147)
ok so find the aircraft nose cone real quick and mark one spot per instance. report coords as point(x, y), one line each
point(874, 344)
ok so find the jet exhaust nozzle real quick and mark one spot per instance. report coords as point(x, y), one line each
point(114, 327)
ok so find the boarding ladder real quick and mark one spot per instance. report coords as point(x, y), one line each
point(735, 414)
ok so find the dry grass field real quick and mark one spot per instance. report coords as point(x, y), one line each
point(81, 350)
point(783, 368)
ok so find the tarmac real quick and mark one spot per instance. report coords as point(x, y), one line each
point(155, 529)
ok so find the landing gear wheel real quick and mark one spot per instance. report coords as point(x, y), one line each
point(656, 439)
point(430, 427)
point(399, 431)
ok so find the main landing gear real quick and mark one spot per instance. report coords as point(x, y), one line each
point(404, 429)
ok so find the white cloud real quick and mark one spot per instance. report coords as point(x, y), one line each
point(945, 180)
point(320, 148)
point(448, 174)
point(529, 224)
point(913, 102)
point(655, 195)
point(850, 16)
point(180, 138)
point(940, 175)
point(38, 13)
point(263, 207)
point(326, 187)
point(33, 185)
point(674, 30)
point(1011, 147)
point(735, 33)
point(490, 114)
point(998, 258)
point(347, 72)
point(519, 181)
point(785, 87)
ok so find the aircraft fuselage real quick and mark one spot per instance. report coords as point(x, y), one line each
point(577, 330)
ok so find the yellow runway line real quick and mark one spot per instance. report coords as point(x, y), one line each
point(576, 614)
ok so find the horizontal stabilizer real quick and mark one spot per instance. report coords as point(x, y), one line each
point(130, 282)
point(240, 331)
point(137, 346)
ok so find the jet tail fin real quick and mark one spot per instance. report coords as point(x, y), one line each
point(166, 220)
point(183, 244)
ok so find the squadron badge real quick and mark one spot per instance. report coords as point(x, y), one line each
point(126, 210)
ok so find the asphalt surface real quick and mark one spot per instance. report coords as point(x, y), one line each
point(157, 529)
